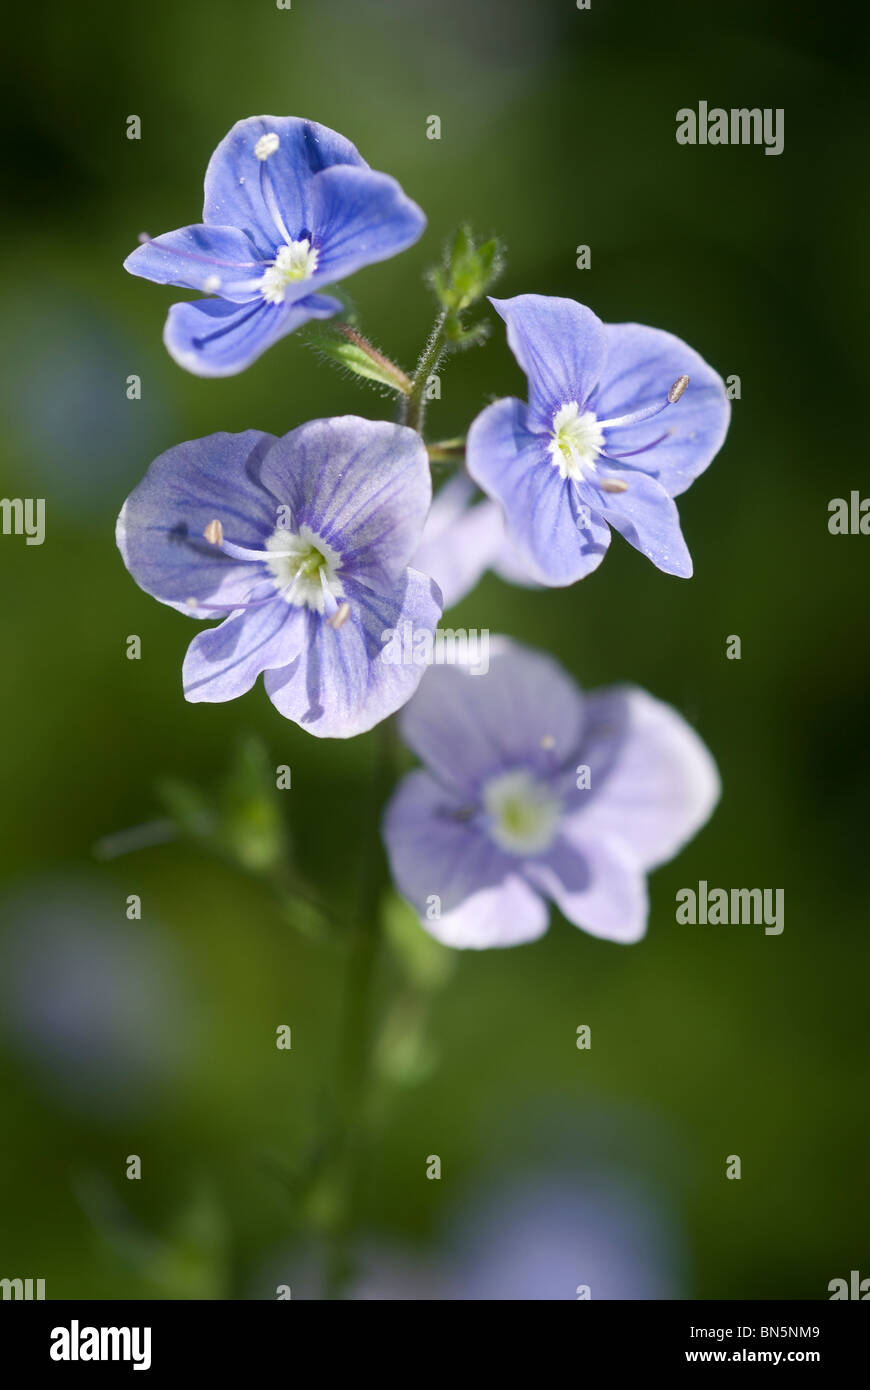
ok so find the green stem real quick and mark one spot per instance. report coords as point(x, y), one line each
point(446, 451)
point(357, 1031)
point(415, 403)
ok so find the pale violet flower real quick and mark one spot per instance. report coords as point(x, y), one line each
point(532, 792)
point(301, 545)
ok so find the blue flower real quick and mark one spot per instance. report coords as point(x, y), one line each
point(531, 792)
point(290, 208)
point(620, 420)
point(301, 544)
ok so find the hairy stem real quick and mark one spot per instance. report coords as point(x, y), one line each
point(415, 402)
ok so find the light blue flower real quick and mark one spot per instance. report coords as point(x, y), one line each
point(620, 420)
point(302, 545)
point(290, 208)
point(532, 792)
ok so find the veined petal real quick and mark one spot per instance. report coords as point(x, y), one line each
point(217, 260)
point(359, 217)
point(653, 780)
point(559, 538)
point(268, 197)
point(560, 345)
point(597, 885)
point(642, 364)
point(648, 519)
point(340, 685)
point(212, 337)
point(363, 485)
point(224, 661)
point(523, 711)
point(160, 529)
point(465, 890)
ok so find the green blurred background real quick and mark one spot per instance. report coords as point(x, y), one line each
point(157, 1037)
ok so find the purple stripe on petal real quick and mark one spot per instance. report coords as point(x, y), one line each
point(341, 685)
point(223, 662)
point(216, 260)
point(213, 338)
point(560, 345)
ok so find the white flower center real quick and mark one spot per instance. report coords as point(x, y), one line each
point(523, 814)
point(576, 441)
point(294, 262)
point(305, 568)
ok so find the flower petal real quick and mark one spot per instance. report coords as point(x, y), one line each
point(218, 259)
point(160, 529)
point(212, 337)
point(653, 781)
point(468, 727)
point(560, 345)
point(224, 661)
point(597, 885)
point(459, 540)
point(642, 364)
point(340, 685)
point(556, 540)
point(442, 865)
point(363, 485)
point(266, 197)
point(648, 519)
point(359, 217)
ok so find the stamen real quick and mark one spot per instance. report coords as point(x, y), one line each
point(548, 741)
point(647, 412)
point(214, 534)
point(270, 200)
point(340, 617)
point(330, 602)
point(630, 453)
point(613, 485)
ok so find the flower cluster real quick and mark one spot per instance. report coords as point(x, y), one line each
point(312, 548)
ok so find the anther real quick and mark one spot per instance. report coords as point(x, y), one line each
point(613, 485)
point(548, 741)
point(677, 389)
point(339, 617)
point(266, 145)
point(214, 533)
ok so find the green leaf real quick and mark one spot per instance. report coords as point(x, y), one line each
point(467, 271)
point(352, 351)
